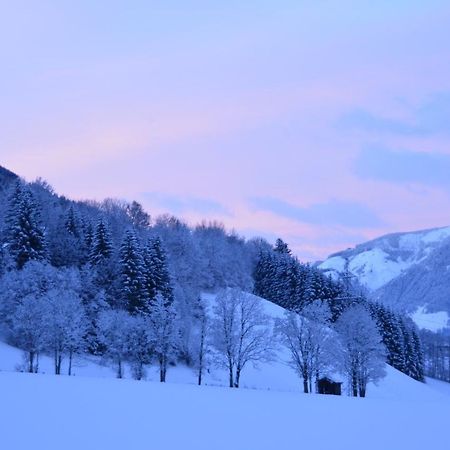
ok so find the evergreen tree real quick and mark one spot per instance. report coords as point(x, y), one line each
point(281, 247)
point(72, 223)
point(132, 275)
point(156, 274)
point(102, 247)
point(25, 239)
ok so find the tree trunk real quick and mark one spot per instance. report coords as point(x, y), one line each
point(238, 378)
point(354, 386)
point(119, 368)
point(70, 362)
point(362, 390)
point(30, 362)
point(162, 369)
point(230, 373)
point(305, 380)
point(305, 385)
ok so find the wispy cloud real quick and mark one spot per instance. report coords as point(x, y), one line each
point(333, 212)
point(431, 117)
point(404, 166)
point(183, 204)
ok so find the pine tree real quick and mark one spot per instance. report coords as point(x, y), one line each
point(132, 275)
point(25, 239)
point(102, 247)
point(281, 247)
point(72, 223)
point(419, 363)
point(156, 274)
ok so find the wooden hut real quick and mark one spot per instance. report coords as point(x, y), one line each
point(328, 386)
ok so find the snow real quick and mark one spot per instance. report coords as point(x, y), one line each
point(436, 235)
point(74, 413)
point(430, 321)
point(374, 268)
point(380, 261)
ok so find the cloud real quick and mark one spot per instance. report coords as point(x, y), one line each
point(333, 212)
point(431, 117)
point(404, 166)
point(182, 204)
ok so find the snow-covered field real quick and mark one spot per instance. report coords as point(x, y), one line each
point(48, 412)
point(92, 410)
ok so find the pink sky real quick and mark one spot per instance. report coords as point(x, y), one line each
point(326, 123)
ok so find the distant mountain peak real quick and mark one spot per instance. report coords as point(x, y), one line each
point(408, 271)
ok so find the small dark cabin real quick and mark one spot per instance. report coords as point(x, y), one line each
point(327, 386)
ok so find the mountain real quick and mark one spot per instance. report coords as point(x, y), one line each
point(406, 271)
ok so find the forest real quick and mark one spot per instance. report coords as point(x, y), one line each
point(107, 279)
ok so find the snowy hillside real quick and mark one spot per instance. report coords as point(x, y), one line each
point(409, 271)
point(275, 375)
point(48, 412)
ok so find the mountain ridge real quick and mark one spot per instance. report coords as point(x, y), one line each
point(408, 271)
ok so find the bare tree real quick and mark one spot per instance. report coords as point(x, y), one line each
point(113, 331)
point(242, 332)
point(66, 326)
point(362, 356)
point(29, 329)
point(164, 335)
point(307, 337)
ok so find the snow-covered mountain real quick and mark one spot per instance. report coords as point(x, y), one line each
point(407, 271)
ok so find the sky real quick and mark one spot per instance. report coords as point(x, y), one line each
point(324, 122)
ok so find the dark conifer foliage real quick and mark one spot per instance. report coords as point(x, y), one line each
point(24, 233)
point(281, 278)
point(131, 268)
point(157, 278)
point(102, 247)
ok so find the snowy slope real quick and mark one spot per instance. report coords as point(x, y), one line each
point(408, 271)
point(275, 376)
point(44, 412)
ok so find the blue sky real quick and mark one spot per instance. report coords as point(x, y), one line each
point(324, 122)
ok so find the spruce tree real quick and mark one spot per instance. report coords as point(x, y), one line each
point(156, 274)
point(72, 223)
point(132, 275)
point(24, 235)
point(102, 248)
point(281, 247)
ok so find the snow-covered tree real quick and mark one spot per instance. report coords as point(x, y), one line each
point(242, 332)
point(102, 247)
point(156, 273)
point(140, 345)
point(307, 336)
point(163, 332)
point(29, 328)
point(24, 235)
point(139, 218)
point(362, 356)
point(131, 282)
point(200, 345)
point(113, 332)
point(66, 326)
